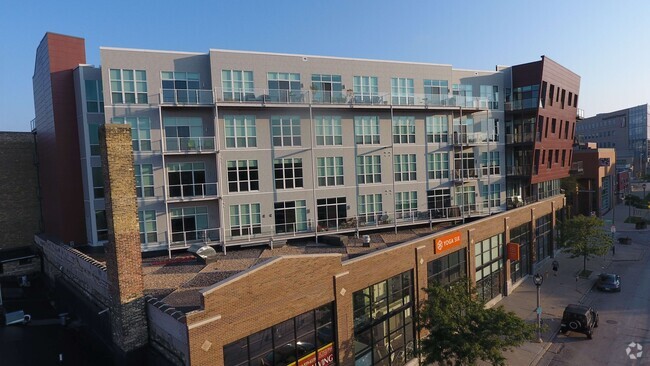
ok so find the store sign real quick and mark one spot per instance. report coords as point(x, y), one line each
point(513, 251)
point(447, 242)
point(325, 357)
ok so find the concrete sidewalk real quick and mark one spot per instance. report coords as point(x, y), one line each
point(563, 288)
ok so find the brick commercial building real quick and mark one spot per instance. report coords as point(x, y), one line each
point(239, 148)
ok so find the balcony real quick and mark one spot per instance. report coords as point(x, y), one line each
point(461, 175)
point(183, 239)
point(192, 192)
point(470, 138)
point(184, 145)
point(576, 168)
point(516, 105)
point(186, 97)
point(519, 170)
point(520, 138)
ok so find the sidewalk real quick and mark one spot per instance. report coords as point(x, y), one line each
point(561, 289)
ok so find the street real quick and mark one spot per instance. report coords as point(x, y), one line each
point(624, 316)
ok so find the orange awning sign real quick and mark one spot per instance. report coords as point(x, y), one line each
point(513, 251)
point(447, 242)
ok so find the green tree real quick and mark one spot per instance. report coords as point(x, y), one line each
point(584, 236)
point(461, 330)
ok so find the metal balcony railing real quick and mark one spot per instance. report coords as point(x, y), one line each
point(190, 144)
point(192, 191)
point(186, 97)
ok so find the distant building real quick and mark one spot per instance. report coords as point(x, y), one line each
point(597, 180)
point(626, 131)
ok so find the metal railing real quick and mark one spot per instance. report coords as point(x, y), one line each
point(462, 174)
point(518, 138)
point(192, 191)
point(186, 97)
point(189, 144)
point(520, 170)
point(183, 239)
point(516, 105)
point(470, 138)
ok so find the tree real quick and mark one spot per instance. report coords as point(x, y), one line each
point(583, 236)
point(461, 330)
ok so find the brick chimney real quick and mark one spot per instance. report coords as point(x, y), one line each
point(123, 254)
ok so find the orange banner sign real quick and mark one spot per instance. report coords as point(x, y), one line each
point(513, 251)
point(447, 242)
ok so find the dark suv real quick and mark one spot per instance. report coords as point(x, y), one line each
point(579, 319)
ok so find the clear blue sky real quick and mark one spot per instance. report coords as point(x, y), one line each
point(605, 42)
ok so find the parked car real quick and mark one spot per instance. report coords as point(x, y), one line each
point(609, 282)
point(579, 319)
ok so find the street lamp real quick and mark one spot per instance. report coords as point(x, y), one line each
point(538, 279)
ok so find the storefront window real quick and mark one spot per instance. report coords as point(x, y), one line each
point(447, 269)
point(489, 267)
point(521, 236)
point(544, 239)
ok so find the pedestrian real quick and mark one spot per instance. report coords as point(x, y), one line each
point(556, 266)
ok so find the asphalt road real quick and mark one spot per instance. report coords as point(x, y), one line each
point(624, 318)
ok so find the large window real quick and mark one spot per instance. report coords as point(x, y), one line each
point(328, 131)
point(327, 88)
point(491, 195)
point(284, 87)
point(307, 339)
point(489, 264)
point(188, 223)
point(402, 91)
point(93, 139)
point(370, 208)
point(404, 130)
point(237, 85)
point(182, 87)
point(383, 322)
point(288, 173)
point(406, 204)
point(331, 212)
point(490, 163)
point(439, 202)
point(98, 182)
point(186, 179)
point(437, 129)
point(544, 238)
point(405, 167)
point(286, 130)
point(128, 86)
point(466, 198)
point(144, 180)
point(438, 165)
point(240, 131)
point(245, 219)
point(366, 130)
point(463, 95)
point(521, 236)
point(148, 231)
point(94, 96)
point(447, 269)
point(290, 216)
point(368, 169)
point(102, 225)
point(366, 89)
point(329, 171)
point(436, 92)
point(489, 96)
point(185, 134)
point(243, 176)
point(140, 131)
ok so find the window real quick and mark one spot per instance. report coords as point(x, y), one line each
point(370, 208)
point(182, 87)
point(406, 203)
point(286, 130)
point(290, 216)
point(240, 131)
point(491, 195)
point(102, 225)
point(148, 232)
point(245, 219)
point(144, 180)
point(463, 95)
point(489, 96)
point(438, 202)
point(466, 197)
point(490, 163)
point(94, 96)
point(366, 89)
point(437, 129)
point(447, 269)
point(405, 167)
point(383, 322)
point(402, 91)
point(330, 171)
point(404, 130)
point(128, 86)
point(186, 179)
point(331, 212)
point(288, 173)
point(188, 223)
point(436, 92)
point(237, 85)
point(368, 169)
point(464, 165)
point(366, 130)
point(327, 88)
point(438, 165)
point(98, 182)
point(284, 87)
point(243, 176)
point(140, 131)
point(93, 139)
point(186, 134)
point(489, 263)
point(328, 131)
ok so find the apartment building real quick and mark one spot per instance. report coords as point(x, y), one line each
point(626, 131)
